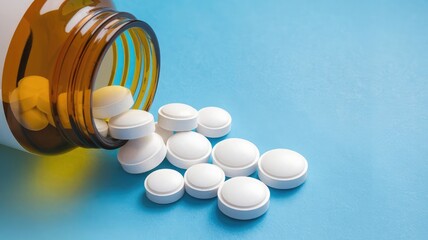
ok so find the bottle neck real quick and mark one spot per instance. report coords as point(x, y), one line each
point(106, 48)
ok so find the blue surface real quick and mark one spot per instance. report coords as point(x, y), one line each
point(343, 83)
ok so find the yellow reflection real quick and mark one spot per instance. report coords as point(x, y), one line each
point(63, 177)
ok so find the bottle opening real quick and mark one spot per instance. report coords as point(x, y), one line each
point(126, 64)
point(131, 61)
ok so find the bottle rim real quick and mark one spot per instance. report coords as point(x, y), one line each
point(86, 52)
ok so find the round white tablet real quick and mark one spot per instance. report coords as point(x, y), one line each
point(165, 134)
point(214, 122)
point(203, 180)
point(178, 117)
point(282, 168)
point(164, 186)
point(188, 148)
point(236, 156)
point(43, 102)
point(243, 198)
point(29, 90)
point(142, 154)
point(33, 119)
point(110, 101)
point(131, 124)
point(101, 126)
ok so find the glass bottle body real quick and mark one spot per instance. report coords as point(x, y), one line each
point(58, 54)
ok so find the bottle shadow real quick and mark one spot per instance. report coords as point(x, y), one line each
point(112, 178)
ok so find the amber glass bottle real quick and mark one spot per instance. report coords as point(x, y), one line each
point(53, 54)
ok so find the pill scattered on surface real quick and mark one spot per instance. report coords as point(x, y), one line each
point(203, 180)
point(131, 124)
point(165, 134)
point(282, 169)
point(101, 126)
point(177, 117)
point(243, 198)
point(214, 122)
point(164, 186)
point(142, 154)
point(188, 148)
point(236, 156)
point(149, 143)
point(111, 101)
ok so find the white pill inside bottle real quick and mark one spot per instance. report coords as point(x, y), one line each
point(101, 126)
point(131, 124)
point(111, 101)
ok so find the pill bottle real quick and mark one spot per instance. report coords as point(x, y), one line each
point(53, 55)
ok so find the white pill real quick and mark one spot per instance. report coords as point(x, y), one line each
point(188, 148)
point(178, 117)
point(203, 180)
point(131, 124)
point(43, 102)
point(214, 122)
point(142, 154)
point(101, 126)
point(33, 120)
point(236, 156)
point(282, 168)
point(164, 186)
point(243, 198)
point(110, 101)
point(29, 90)
point(165, 134)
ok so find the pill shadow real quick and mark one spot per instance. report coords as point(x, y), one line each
point(197, 203)
point(151, 207)
point(285, 193)
point(214, 141)
point(111, 178)
point(234, 225)
point(168, 165)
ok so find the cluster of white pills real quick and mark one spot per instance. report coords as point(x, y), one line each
point(173, 136)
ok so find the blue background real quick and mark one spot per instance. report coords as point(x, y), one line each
point(345, 83)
